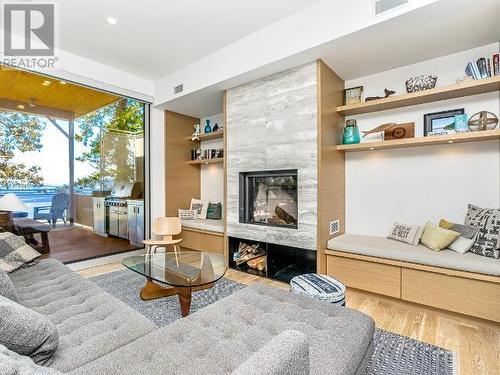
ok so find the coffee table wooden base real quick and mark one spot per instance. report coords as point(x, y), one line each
point(153, 291)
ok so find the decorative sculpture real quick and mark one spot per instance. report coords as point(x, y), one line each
point(481, 121)
point(197, 132)
point(394, 131)
point(386, 92)
point(421, 83)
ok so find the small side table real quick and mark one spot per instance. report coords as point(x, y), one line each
point(27, 228)
point(320, 287)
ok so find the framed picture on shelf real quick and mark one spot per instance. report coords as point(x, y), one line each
point(438, 123)
point(353, 95)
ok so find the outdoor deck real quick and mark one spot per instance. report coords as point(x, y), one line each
point(74, 244)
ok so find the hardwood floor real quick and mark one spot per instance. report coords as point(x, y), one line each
point(74, 243)
point(476, 342)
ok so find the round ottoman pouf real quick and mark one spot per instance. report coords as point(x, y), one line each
point(321, 287)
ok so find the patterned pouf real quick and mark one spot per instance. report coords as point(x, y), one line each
point(321, 287)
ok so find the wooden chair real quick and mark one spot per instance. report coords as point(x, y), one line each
point(168, 227)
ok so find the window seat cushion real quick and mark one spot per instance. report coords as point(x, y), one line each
point(381, 247)
point(208, 225)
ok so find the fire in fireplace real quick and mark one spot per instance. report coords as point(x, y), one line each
point(269, 198)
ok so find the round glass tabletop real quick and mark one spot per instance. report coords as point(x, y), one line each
point(181, 269)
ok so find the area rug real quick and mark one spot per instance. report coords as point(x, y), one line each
point(394, 354)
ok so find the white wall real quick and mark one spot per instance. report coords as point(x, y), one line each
point(157, 162)
point(414, 185)
point(212, 175)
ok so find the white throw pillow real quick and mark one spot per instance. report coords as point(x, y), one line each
point(461, 245)
point(409, 234)
point(200, 206)
point(187, 214)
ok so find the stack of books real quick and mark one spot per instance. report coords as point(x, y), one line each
point(484, 68)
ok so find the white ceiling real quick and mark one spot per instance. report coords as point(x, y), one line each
point(155, 37)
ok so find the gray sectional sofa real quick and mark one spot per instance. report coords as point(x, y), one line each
point(258, 330)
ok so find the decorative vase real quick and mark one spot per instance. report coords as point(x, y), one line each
point(208, 129)
point(351, 133)
point(215, 128)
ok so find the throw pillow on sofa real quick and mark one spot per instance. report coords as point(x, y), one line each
point(214, 211)
point(7, 289)
point(187, 214)
point(15, 253)
point(409, 234)
point(437, 238)
point(27, 332)
point(200, 206)
point(487, 221)
point(467, 237)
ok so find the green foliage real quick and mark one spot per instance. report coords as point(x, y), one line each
point(23, 133)
point(109, 126)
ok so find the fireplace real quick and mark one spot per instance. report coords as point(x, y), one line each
point(269, 198)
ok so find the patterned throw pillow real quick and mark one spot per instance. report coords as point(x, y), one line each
point(200, 206)
point(436, 238)
point(409, 234)
point(187, 214)
point(467, 237)
point(17, 252)
point(214, 211)
point(487, 221)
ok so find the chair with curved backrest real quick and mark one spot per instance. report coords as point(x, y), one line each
point(57, 210)
point(167, 227)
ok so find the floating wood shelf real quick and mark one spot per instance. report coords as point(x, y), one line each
point(206, 161)
point(422, 141)
point(207, 136)
point(433, 95)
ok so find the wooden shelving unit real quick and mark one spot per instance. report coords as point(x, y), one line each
point(422, 141)
point(207, 136)
point(433, 95)
point(205, 161)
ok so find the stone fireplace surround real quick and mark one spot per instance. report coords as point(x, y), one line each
point(271, 124)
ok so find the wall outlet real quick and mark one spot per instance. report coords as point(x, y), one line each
point(334, 227)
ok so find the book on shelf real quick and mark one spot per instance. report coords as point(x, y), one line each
point(470, 71)
point(496, 64)
point(488, 68)
point(481, 66)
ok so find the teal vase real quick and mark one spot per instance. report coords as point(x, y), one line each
point(208, 129)
point(351, 133)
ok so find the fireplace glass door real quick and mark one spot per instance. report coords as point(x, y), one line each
point(269, 198)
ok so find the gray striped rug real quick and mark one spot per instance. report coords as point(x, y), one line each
point(394, 354)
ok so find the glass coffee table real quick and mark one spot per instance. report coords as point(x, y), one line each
point(179, 274)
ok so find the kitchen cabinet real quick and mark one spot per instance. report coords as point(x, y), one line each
point(99, 215)
point(135, 221)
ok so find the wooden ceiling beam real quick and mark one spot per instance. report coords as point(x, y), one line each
point(11, 105)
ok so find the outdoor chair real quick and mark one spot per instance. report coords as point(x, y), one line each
point(53, 212)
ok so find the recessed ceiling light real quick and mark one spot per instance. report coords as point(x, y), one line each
point(450, 141)
point(46, 83)
point(62, 82)
point(20, 106)
point(112, 20)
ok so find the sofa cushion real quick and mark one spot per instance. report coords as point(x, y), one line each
point(384, 248)
point(208, 225)
point(27, 332)
point(91, 323)
point(218, 338)
point(437, 238)
point(12, 363)
point(285, 354)
point(7, 289)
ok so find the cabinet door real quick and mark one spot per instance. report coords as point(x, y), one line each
point(139, 224)
point(99, 216)
point(132, 223)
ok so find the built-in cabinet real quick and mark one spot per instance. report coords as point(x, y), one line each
point(99, 215)
point(135, 221)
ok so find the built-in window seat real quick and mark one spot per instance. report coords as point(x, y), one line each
point(208, 225)
point(464, 283)
point(203, 235)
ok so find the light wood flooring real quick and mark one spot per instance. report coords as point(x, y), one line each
point(476, 342)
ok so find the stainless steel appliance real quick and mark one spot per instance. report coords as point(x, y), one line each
point(116, 206)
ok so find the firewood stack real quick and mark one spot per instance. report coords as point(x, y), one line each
point(252, 256)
